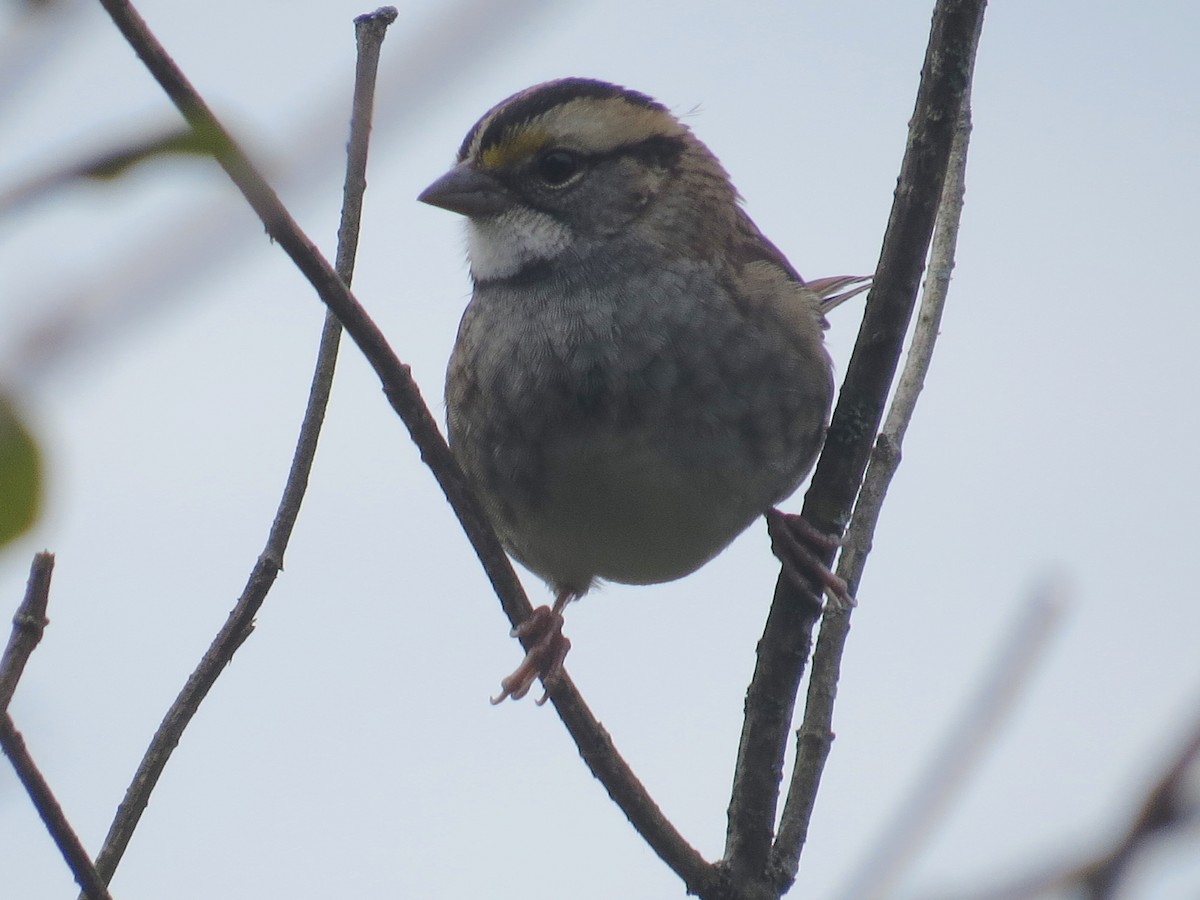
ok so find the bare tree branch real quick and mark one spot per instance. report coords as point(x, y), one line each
point(405, 398)
point(370, 33)
point(86, 876)
point(596, 747)
point(783, 650)
point(29, 621)
point(816, 731)
point(402, 392)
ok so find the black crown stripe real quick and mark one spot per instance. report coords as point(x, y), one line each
point(533, 102)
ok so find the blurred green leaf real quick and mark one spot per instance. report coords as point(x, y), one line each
point(20, 475)
point(113, 163)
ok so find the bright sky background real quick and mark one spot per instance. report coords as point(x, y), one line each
point(350, 750)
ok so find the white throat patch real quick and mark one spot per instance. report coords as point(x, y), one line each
point(500, 246)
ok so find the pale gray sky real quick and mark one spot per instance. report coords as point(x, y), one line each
point(350, 749)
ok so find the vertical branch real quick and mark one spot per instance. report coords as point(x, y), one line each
point(29, 621)
point(370, 32)
point(815, 735)
point(783, 650)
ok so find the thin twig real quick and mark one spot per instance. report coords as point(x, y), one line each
point(914, 819)
point(29, 621)
point(86, 876)
point(370, 32)
point(815, 734)
point(28, 624)
point(783, 650)
point(597, 750)
point(398, 385)
point(405, 398)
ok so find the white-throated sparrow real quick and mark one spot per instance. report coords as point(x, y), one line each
point(640, 373)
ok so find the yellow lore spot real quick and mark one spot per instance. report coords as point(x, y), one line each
point(514, 147)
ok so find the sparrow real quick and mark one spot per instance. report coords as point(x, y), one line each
point(640, 373)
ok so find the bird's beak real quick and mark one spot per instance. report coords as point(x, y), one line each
point(469, 192)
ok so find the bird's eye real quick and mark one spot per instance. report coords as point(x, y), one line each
point(557, 167)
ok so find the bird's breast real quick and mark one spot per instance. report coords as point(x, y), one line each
point(627, 440)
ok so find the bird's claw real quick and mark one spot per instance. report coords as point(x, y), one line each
point(793, 539)
point(546, 649)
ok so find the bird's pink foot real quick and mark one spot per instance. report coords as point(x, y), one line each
point(547, 647)
point(796, 543)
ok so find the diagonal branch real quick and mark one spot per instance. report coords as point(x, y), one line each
point(28, 624)
point(398, 385)
point(787, 637)
point(1163, 813)
point(239, 625)
point(86, 876)
point(405, 398)
point(1165, 808)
